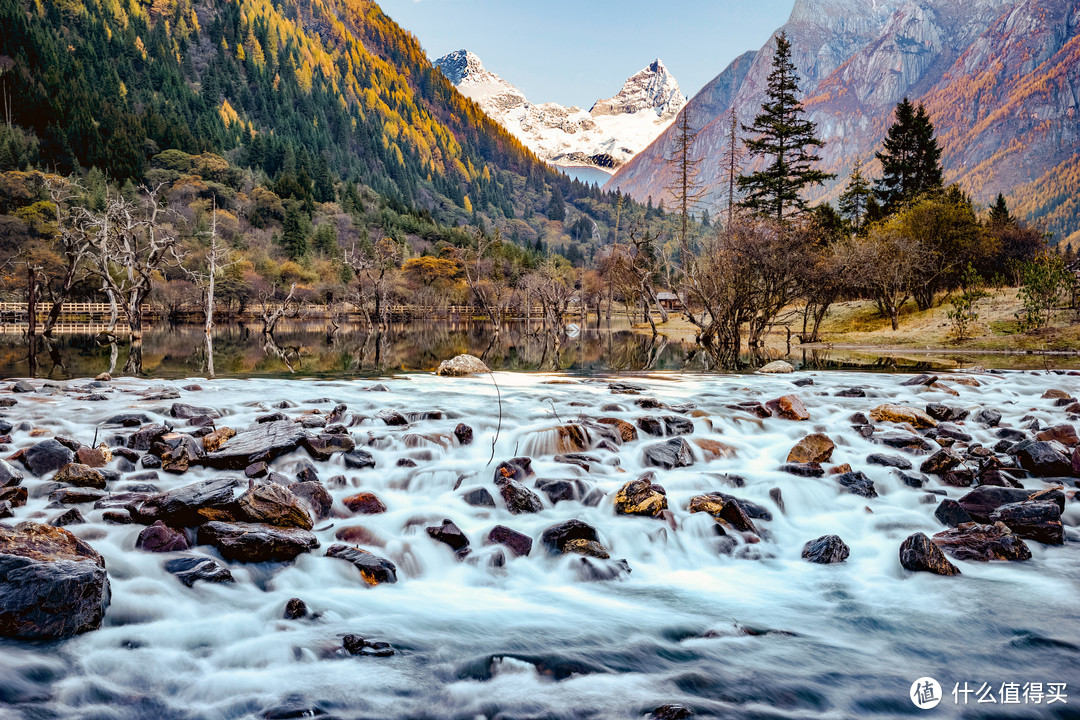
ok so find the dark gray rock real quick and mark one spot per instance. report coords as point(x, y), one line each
point(857, 483)
point(674, 453)
point(518, 543)
point(47, 456)
point(192, 568)
point(255, 543)
point(919, 554)
point(374, 569)
point(825, 550)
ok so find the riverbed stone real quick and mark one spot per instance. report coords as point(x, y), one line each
point(54, 585)
point(518, 498)
point(518, 543)
point(478, 497)
point(776, 367)
point(640, 497)
point(668, 455)
point(816, 447)
point(788, 407)
point(626, 431)
point(572, 536)
point(451, 535)
point(177, 451)
point(945, 413)
point(826, 550)
point(915, 444)
point(256, 542)
point(951, 513)
point(1042, 458)
point(988, 416)
point(461, 366)
point(857, 483)
point(723, 508)
point(183, 411)
point(666, 426)
point(93, 457)
point(519, 468)
point(159, 537)
point(189, 505)
point(893, 461)
point(71, 516)
point(273, 504)
point(671, 712)
point(940, 462)
point(9, 476)
point(213, 441)
point(919, 554)
point(1039, 521)
point(72, 495)
point(1063, 433)
point(973, 541)
point(264, 442)
point(190, 569)
point(983, 500)
point(80, 475)
point(295, 609)
point(47, 456)
point(373, 569)
point(893, 413)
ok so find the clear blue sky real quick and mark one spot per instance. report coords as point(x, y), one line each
point(577, 51)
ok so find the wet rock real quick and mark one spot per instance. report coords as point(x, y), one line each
point(518, 543)
point(70, 517)
point(46, 456)
point(519, 468)
point(679, 712)
point(668, 425)
point(668, 455)
point(189, 505)
point(948, 430)
point(392, 417)
point(255, 543)
point(129, 419)
point(1055, 394)
point(972, 541)
point(1063, 433)
point(789, 407)
point(1042, 459)
point(1039, 521)
point(9, 476)
point(359, 535)
point(851, 393)
point(920, 380)
point(193, 568)
point(816, 447)
point(450, 534)
point(177, 451)
point(919, 554)
point(365, 503)
point(518, 498)
point(905, 441)
point(640, 497)
point(752, 407)
point(359, 460)
point(159, 537)
point(714, 449)
point(315, 496)
point(857, 483)
point(324, 446)
point(589, 570)
point(944, 413)
point(93, 457)
point(80, 476)
point(940, 462)
point(723, 508)
point(961, 478)
point(478, 497)
point(464, 434)
point(559, 490)
point(573, 536)
point(812, 469)
point(22, 387)
point(649, 403)
point(271, 417)
point(295, 609)
point(374, 569)
point(983, 500)
point(626, 431)
point(71, 496)
point(305, 471)
point(777, 497)
point(900, 414)
point(145, 437)
point(183, 411)
point(461, 366)
point(626, 388)
point(776, 366)
point(893, 461)
point(54, 584)
point(6, 510)
point(988, 416)
point(214, 440)
point(950, 513)
point(273, 504)
point(581, 460)
point(261, 442)
point(825, 550)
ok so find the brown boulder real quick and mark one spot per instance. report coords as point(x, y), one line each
point(640, 497)
point(359, 535)
point(80, 475)
point(714, 449)
point(972, 541)
point(900, 414)
point(789, 407)
point(816, 447)
point(93, 457)
point(723, 509)
point(626, 431)
point(159, 537)
point(213, 441)
point(365, 503)
point(1063, 433)
point(273, 505)
point(919, 554)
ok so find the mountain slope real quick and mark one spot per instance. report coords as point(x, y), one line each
point(606, 136)
point(1001, 80)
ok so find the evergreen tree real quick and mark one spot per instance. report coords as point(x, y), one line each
point(855, 201)
point(294, 232)
point(910, 157)
point(786, 139)
point(556, 207)
point(999, 212)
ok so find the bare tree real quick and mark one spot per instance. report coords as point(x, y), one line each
point(478, 275)
point(733, 165)
point(885, 264)
point(373, 264)
point(685, 188)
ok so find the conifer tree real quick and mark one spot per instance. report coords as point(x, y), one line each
point(999, 212)
point(685, 187)
point(910, 157)
point(556, 207)
point(786, 139)
point(856, 200)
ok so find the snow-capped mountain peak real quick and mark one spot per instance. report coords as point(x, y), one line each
point(606, 136)
point(651, 89)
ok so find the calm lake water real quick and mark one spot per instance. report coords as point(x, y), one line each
point(307, 349)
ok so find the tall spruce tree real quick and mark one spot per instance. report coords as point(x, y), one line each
point(999, 212)
point(786, 139)
point(910, 157)
point(857, 198)
point(685, 188)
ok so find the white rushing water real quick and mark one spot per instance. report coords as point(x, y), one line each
point(754, 633)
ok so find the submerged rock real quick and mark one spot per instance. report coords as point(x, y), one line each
point(295, 609)
point(461, 366)
point(816, 447)
point(192, 568)
point(627, 432)
point(54, 584)
point(374, 569)
point(159, 537)
point(972, 541)
point(857, 483)
point(825, 550)
point(919, 554)
point(450, 534)
point(518, 543)
point(640, 497)
point(255, 543)
point(789, 407)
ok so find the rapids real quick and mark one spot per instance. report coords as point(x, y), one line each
point(754, 633)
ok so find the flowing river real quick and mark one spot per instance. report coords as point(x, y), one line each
point(735, 626)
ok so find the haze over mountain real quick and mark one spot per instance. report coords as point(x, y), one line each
point(999, 78)
point(606, 136)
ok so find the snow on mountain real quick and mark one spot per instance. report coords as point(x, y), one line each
point(606, 136)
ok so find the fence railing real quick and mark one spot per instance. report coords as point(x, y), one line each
point(68, 308)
